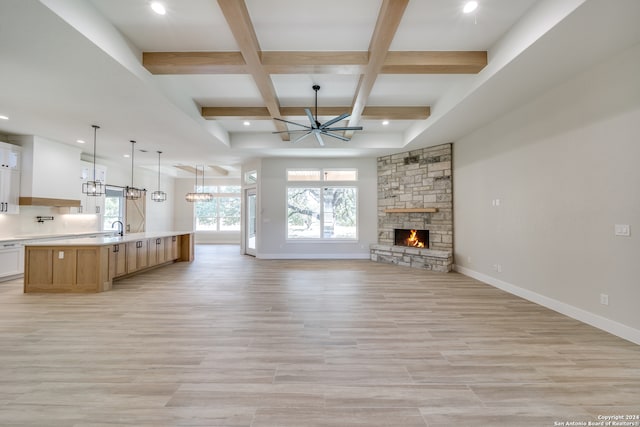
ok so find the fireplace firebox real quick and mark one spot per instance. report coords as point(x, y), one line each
point(411, 238)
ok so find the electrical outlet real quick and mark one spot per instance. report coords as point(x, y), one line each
point(495, 267)
point(604, 299)
point(622, 230)
point(60, 254)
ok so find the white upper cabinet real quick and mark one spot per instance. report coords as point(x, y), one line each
point(9, 178)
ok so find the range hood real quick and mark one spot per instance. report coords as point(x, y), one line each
point(43, 201)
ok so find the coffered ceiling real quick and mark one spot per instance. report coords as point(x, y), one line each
point(187, 81)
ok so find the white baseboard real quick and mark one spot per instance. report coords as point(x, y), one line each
point(623, 331)
point(313, 256)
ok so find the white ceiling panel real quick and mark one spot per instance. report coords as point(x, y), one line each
point(296, 90)
point(189, 25)
point(413, 89)
point(310, 25)
point(441, 24)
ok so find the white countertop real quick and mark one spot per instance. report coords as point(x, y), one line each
point(106, 240)
point(24, 237)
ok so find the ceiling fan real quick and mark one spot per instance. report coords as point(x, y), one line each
point(318, 129)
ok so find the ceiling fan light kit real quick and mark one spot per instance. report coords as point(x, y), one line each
point(318, 129)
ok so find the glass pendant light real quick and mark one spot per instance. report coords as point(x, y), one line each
point(95, 187)
point(197, 196)
point(132, 193)
point(159, 196)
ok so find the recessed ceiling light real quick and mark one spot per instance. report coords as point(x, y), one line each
point(470, 6)
point(79, 141)
point(126, 155)
point(246, 123)
point(4, 117)
point(385, 122)
point(158, 8)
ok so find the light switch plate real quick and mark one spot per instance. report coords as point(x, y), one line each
point(622, 230)
point(60, 254)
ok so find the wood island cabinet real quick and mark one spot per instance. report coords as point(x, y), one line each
point(117, 260)
point(68, 269)
point(91, 265)
point(137, 256)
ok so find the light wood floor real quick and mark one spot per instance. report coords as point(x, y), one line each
point(231, 340)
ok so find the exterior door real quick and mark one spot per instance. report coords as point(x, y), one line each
point(250, 235)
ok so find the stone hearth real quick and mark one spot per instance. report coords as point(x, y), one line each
point(428, 259)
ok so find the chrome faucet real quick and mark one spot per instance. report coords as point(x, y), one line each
point(120, 229)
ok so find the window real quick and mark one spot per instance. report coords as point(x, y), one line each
point(303, 175)
point(318, 211)
point(113, 207)
point(251, 177)
point(223, 212)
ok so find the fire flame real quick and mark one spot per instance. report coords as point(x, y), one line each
point(412, 240)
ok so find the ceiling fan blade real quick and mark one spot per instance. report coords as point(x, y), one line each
point(301, 137)
point(319, 138)
point(336, 129)
point(314, 125)
point(335, 120)
point(291, 123)
point(333, 135)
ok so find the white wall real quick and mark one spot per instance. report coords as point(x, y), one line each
point(565, 168)
point(25, 223)
point(272, 215)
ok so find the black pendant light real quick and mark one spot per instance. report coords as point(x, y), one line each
point(199, 196)
point(95, 187)
point(159, 196)
point(132, 193)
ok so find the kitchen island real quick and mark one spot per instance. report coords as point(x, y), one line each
point(92, 264)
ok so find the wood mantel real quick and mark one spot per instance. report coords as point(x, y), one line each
point(411, 210)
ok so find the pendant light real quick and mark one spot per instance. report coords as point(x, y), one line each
point(159, 196)
point(95, 187)
point(132, 193)
point(197, 196)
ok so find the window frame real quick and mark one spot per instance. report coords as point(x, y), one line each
point(322, 185)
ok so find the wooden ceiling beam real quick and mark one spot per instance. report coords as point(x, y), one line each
point(194, 62)
point(434, 62)
point(314, 62)
point(389, 18)
point(236, 113)
point(261, 113)
point(237, 16)
point(412, 62)
point(218, 170)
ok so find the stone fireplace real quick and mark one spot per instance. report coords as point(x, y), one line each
point(415, 192)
